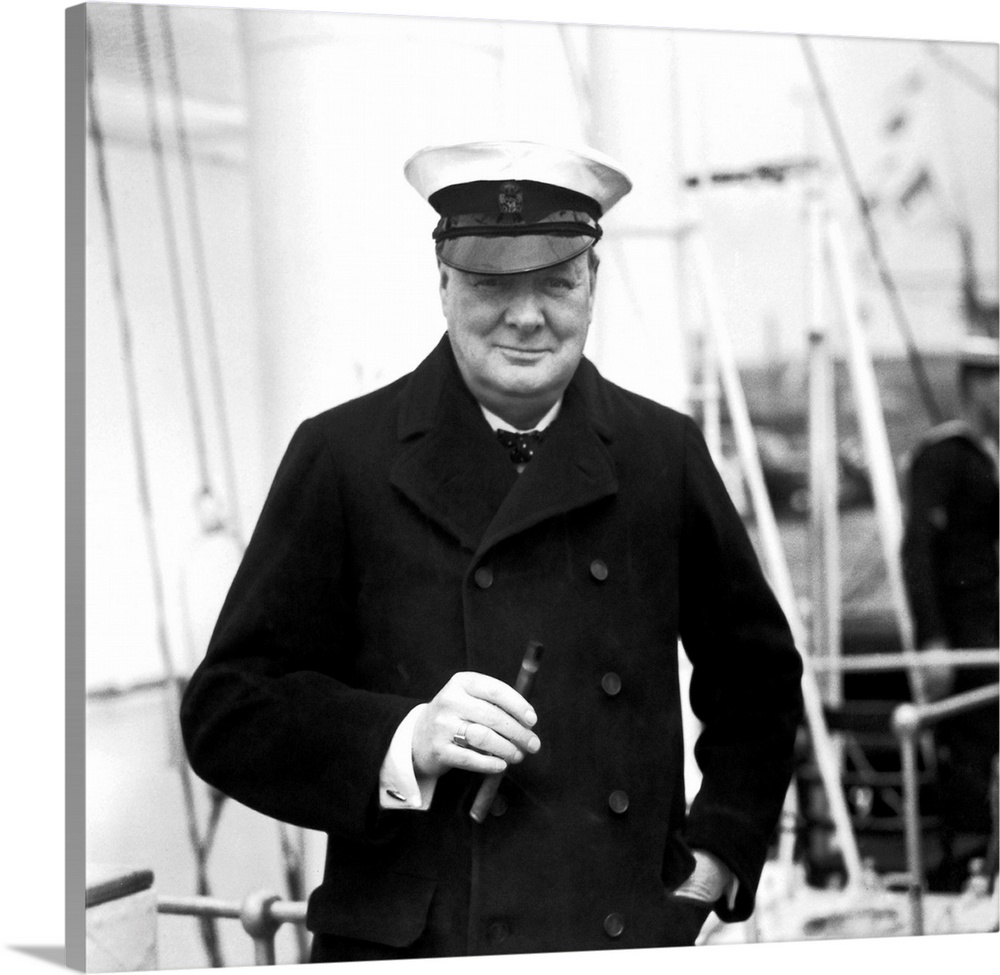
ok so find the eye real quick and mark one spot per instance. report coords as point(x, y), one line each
point(487, 282)
point(558, 283)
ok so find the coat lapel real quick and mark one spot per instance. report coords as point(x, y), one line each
point(455, 472)
point(572, 468)
point(451, 466)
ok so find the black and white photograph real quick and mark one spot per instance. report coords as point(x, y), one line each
point(532, 490)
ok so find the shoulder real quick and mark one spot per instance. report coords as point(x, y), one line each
point(359, 419)
point(943, 445)
point(631, 413)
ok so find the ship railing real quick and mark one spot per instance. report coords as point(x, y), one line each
point(874, 662)
point(261, 914)
point(908, 720)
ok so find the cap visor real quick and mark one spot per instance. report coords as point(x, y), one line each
point(510, 255)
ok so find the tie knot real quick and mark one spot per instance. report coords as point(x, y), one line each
point(520, 446)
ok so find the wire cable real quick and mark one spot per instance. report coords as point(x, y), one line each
point(173, 254)
point(291, 851)
point(963, 72)
point(96, 133)
point(201, 268)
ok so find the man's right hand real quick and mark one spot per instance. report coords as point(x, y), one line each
point(495, 720)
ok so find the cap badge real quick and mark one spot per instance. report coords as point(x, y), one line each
point(510, 201)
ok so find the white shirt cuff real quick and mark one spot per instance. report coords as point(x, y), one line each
point(399, 787)
point(710, 880)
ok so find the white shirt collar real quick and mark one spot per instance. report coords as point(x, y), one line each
point(497, 424)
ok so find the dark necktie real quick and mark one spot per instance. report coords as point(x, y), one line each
point(520, 446)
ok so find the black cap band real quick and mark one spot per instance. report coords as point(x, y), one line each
point(523, 201)
point(447, 230)
point(511, 226)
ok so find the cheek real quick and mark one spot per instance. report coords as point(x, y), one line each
point(468, 336)
point(573, 324)
point(473, 315)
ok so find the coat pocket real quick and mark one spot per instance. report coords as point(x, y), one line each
point(678, 862)
point(685, 919)
point(379, 906)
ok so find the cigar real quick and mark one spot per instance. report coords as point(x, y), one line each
point(525, 680)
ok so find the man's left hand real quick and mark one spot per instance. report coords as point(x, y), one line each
point(709, 880)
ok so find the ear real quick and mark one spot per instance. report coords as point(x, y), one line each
point(443, 279)
point(592, 271)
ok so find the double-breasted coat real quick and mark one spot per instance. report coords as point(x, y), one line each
point(398, 546)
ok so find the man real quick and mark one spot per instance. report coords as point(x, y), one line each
point(359, 679)
point(950, 567)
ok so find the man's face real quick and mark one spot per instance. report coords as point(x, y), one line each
point(518, 338)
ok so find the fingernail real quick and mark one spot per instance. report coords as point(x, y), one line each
point(531, 718)
point(534, 744)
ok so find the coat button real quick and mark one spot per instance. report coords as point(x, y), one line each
point(499, 806)
point(598, 570)
point(497, 932)
point(611, 683)
point(484, 577)
point(618, 801)
point(614, 925)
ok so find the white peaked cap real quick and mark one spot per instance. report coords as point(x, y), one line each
point(581, 170)
point(511, 207)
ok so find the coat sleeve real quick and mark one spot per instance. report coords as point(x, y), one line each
point(269, 717)
point(746, 680)
point(928, 497)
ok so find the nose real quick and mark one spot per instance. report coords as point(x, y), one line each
point(524, 311)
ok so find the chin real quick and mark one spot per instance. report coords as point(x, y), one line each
point(519, 388)
point(522, 379)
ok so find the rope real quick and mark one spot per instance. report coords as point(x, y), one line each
point(874, 245)
point(198, 843)
point(138, 441)
point(963, 72)
point(131, 385)
point(173, 255)
point(292, 858)
point(201, 265)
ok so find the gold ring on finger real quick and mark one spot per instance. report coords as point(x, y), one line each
point(462, 741)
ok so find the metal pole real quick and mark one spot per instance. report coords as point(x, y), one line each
point(263, 950)
point(261, 914)
point(774, 556)
point(196, 906)
point(787, 835)
point(957, 704)
point(868, 662)
point(887, 503)
point(823, 466)
point(907, 720)
point(261, 925)
point(906, 723)
point(710, 399)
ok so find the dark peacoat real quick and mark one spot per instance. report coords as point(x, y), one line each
point(398, 546)
point(950, 566)
point(950, 545)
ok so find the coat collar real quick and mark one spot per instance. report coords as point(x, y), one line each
point(452, 468)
